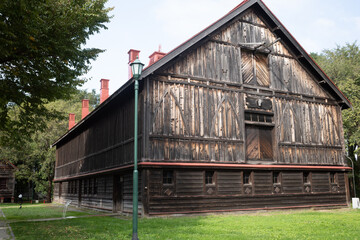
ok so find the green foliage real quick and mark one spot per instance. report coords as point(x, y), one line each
point(42, 55)
point(342, 65)
point(336, 224)
point(34, 157)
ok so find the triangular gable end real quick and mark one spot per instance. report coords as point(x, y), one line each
point(293, 49)
point(242, 47)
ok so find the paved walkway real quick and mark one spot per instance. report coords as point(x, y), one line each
point(5, 229)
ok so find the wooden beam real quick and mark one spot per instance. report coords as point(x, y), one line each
point(246, 209)
point(245, 166)
point(125, 167)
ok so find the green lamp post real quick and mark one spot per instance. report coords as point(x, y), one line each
point(136, 68)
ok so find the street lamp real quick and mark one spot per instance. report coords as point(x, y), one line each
point(136, 68)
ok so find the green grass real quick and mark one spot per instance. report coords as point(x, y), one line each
point(334, 224)
point(36, 211)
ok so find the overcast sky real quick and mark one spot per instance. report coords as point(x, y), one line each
point(316, 24)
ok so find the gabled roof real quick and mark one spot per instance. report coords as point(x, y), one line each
point(275, 25)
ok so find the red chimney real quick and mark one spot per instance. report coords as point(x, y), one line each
point(104, 90)
point(156, 56)
point(85, 108)
point(71, 120)
point(132, 56)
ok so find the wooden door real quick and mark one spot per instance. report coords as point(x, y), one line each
point(117, 193)
point(258, 143)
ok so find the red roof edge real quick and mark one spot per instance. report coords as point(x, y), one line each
point(8, 161)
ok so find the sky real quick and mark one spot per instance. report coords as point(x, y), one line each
point(316, 25)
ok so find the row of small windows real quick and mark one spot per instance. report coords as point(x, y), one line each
point(258, 118)
point(89, 186)
point(168, 177)
point(247, 177)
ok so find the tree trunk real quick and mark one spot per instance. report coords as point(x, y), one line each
point(48, 197)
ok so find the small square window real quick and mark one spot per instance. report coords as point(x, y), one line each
point(276, 178)
point(261, 118)
point(247, 178)
point(168, 176)
point(209, 177)
point(333, 178)
point(306, 176)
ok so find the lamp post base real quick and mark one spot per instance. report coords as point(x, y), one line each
point(134, 236)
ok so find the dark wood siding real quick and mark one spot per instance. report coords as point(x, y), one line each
point(292, 182)
point(103, 143)
point(190, 197)
point(229, 182)
point(189, 183)
point(320, 182)
point(263, 182)
point(172, 205)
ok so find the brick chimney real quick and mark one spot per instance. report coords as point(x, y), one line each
point(156, 56)
point(85, 108)
point(104, 89)
point(71, 120)
point(132, 56)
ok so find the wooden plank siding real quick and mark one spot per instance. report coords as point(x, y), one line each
point(197, 103)
point(103, 198)
point(238, 97)
point(106, 143)
point(189, 194)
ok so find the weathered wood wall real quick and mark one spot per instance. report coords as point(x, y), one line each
point(106, 142)
point(103, 198)
point(189, 193)
point(195, 122)
point(197, 104)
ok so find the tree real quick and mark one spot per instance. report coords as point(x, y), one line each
point(342, 65)
point(34, 158)
point(42, 55)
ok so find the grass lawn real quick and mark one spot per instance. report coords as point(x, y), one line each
point(36, 211)
point(334, 224)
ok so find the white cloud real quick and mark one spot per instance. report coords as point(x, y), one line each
point(325, 23)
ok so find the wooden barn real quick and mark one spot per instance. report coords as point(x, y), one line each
point(239, 117)
point(7, 181)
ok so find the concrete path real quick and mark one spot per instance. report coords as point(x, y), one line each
point(5, 229)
